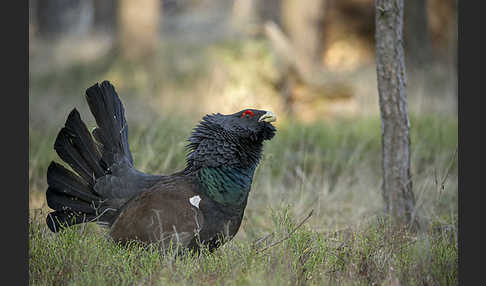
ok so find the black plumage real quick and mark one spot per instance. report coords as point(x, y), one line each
point(201, 204)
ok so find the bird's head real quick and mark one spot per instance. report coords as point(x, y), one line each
point(223, 138)
point(251, 124)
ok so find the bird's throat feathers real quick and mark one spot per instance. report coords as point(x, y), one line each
point(213, 145)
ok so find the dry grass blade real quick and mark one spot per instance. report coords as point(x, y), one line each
point(453, 159)
point(260, 240)
point(288, 236)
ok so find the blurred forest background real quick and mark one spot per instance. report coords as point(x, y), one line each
point(311, 62)
point(313, 59)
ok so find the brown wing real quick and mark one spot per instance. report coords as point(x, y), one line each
point(162, 215)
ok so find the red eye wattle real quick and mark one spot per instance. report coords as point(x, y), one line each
point(246, 112)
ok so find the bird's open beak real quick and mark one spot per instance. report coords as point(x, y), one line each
point(268, 117)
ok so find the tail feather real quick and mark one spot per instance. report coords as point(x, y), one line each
point(62, 202)
point(112, 131)
point(65, 182)
point(82, 141)
point(70, 154)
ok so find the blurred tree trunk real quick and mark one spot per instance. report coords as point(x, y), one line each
point(286, 63)
point(249, 15)
point(454, 53)
point(58, 17)
point(390, 65)
point(270, 10)
point(138, 28)
point(301, 49)
point(105, 15)
point(244, 15)
point(417, 40)
point(303, 22)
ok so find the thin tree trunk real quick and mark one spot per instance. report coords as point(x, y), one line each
point(390, 65)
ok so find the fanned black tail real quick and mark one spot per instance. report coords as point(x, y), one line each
point(72, 196)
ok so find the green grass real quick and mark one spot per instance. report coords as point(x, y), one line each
point(332, 168)
point(375, 254)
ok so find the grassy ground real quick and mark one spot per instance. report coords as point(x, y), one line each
point(330, 167)
point(333, 170)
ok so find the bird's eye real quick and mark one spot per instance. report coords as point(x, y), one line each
point(247, 114)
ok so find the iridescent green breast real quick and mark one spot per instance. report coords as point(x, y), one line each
point(226, 185)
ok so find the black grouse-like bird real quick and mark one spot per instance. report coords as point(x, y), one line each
point(201, 204)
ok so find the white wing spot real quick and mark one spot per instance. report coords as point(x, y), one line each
point(195, 201)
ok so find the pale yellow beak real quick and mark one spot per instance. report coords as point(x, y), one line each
point(268, 117)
